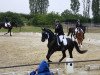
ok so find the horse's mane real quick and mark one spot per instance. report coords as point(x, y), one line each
point(48, 30)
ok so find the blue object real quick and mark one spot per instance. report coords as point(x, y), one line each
point(33, 73)
point(43, 68)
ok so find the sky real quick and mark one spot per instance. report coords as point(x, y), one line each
point(22, 6)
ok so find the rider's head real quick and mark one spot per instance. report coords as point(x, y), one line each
point(78, 22)
point(57, 21)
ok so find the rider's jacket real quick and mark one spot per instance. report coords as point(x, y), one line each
point(59, 29)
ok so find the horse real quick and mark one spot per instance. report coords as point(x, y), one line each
point(13, 24)
point(71, 31)
point(79, 36)
point(53, 46)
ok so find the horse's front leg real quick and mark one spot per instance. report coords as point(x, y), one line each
point(71, 35)
point(50, 52)
point(64, 55)
point(10, 32)
point(81, 44)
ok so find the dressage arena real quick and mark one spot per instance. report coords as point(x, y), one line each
point(27, 48)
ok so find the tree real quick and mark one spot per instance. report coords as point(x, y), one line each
point(75, 6)
point(38, 6)
point(96, 10)
point(13, 17)
point(86, 7)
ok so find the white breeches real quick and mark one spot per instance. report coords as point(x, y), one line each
point(7, 24)
point(63, 39)
point(76, 30)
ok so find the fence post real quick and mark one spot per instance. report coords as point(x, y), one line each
point(13, 73)
point(69, 66)
point(58, 72)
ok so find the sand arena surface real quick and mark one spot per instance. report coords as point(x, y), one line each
point(27, 48)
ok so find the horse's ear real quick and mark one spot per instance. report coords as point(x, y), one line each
point(43, 28)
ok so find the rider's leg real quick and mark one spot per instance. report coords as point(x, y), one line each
point(61, 37)
point(62, 46)
point(75, 32)
point(64, 43)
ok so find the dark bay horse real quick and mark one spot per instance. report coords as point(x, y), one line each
point(79, 36)
point(53, 45)
point(13, 24)
point(71, 31)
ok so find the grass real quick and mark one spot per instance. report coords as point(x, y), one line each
point(24, 29)
point(38, 29)
point(93, 30)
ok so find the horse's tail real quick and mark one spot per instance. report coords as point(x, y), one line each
point(77, 48)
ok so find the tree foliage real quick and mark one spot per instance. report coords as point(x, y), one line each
point(67, 15)
point(44, 19)
point(38, 6)
point(41, 19)
point(13, 17)
point(75, 6)
point(96, 10)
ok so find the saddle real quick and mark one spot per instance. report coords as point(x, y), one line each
point(61, 40)
point(78, 29)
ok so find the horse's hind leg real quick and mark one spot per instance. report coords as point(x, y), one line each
point(68, 34)
point(70, 52)
point(64, 55)
point(9, 30)
point(69, 31)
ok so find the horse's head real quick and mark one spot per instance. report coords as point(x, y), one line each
point(13, 24)
point(46, 34)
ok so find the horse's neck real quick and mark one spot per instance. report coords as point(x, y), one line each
point(51, 41)
point(50, 38)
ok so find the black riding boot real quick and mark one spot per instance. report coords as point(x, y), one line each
point(62, 46)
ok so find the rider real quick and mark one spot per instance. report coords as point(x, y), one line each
point(78, 25)
point(7, 22)
point(60, 33)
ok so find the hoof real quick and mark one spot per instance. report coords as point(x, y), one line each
point(49, 61)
